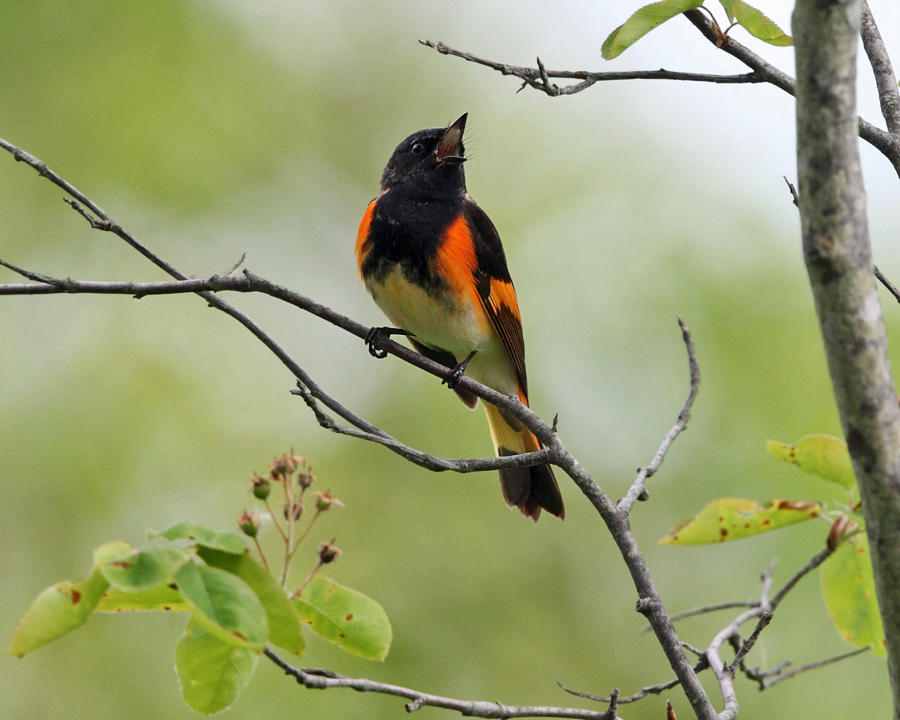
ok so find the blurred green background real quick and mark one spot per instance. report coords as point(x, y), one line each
point(210, 129)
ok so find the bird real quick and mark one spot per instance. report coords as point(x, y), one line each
point(433, 262)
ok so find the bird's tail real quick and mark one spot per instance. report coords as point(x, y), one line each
point(527, 488)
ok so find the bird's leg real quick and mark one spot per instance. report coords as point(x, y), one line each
point(377, 335)
point(455, 375)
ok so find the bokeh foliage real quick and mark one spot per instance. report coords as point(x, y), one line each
point(210, 129)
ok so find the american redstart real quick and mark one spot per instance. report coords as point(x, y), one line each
point(433, 262)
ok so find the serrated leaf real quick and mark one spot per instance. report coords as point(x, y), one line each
point(211, 672)
point(143, 568)
point(736, 518)
point(224, 605)
point(822, 455)
point(64, 606)
point(161, 597)
point(216, 539)
point(641, 22)
point(345, 617)
point(757, 24)
point(283, 621)
point(849, 589)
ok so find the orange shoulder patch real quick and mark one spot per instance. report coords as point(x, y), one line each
point(362, 235)
point(455, 261)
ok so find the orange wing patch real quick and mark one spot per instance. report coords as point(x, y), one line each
point(502, 306)
point(362, 236)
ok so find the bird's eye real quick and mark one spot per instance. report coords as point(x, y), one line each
point(417, 148)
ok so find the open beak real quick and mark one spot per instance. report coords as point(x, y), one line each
point(450, 146)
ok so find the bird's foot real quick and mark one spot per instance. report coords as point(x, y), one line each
point(455, 375)
point(377, 335)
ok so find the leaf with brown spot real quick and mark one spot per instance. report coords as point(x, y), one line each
point(64, 606)
point(849, 589)
point(736, 518)
point(345, 617)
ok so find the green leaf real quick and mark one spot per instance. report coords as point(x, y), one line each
point(161, 597)
point(642, 22)
point(224, 605)
point(284, 624)
point(224, 541)
point(735, 518)
point(729, 9)
point(756, 23)
point(849, 589)
point(64, 606)
point(143, 568)
point(211, 672)
point(822, 455)
point(346, 617)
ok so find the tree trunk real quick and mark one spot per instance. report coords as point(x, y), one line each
point(839, 262)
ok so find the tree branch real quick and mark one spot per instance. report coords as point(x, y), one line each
point(637, 491)
point(539, 77)
point(761, 72)
point(838, 259)
point(763, 609)
point(324, 679)
point(867, 131)
point(649, 603)
point(885, 80)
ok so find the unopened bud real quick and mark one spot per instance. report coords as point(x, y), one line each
point(305, 479)
point(325, 501)
point(249, 523)
point(283, 465)
point(293, 512)
point(839, 531)
point(260, 487)
point(328, 552)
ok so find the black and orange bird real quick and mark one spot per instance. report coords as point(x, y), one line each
point(433, 262)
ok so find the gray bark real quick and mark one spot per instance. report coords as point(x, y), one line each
point(839, 262)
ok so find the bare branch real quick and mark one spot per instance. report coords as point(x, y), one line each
point(767, 680)
point(813, 563)
point(649, 603)
point(637, 491)
point(320, 680)
point(887, 283)
point(430, 462)
point(539, 77)
point(761, 72)
point(867, 131)
point(639, 695)
point(885, 80)
point(705, 609)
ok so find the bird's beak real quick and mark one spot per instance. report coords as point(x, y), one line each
point(450, 147)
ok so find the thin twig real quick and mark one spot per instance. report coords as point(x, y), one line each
point(318, 680)
point(765, 683)
point(539, 77)
point(887, 283)
point(703, 610)
point(885, 80)
point(794, 196)
point(637, 490)
point(761, 72)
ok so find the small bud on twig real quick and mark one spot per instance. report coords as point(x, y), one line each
point(325, 501)
point(293, 512)
point(260, 487)
point(249, 523)
point(328, 552)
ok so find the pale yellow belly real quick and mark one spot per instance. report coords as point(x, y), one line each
point(458, 328)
